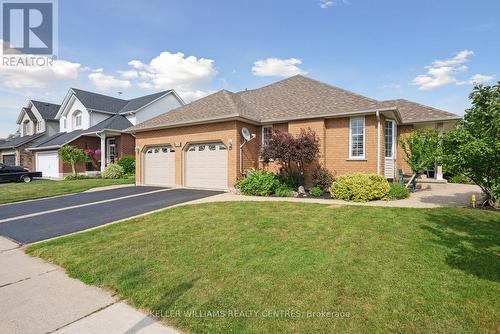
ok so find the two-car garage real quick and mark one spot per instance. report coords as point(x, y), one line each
point(204, 165)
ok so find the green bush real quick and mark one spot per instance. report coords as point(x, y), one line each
point(398, 191)
point(78, 177)
point(360, 187)
point(283, 190)
point(128, 164)
point(292, 179)
point(113, 171)
point(316, 192)
point(258, 183)
point(460, 179)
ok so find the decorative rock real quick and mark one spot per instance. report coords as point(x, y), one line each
point(301, 190)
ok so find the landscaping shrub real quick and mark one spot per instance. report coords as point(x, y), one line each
point(398, 191)
point(128, 164)
point(258, 183)
point(316, 191)
point(360, 187)
point(292, 179)
point(322, 178)
point(79, 177)
point(460, 179)
point(283, 190)
point(113, 171)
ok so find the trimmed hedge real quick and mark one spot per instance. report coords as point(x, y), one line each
point(360, 187)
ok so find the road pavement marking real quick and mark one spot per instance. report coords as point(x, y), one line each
point(80, 206)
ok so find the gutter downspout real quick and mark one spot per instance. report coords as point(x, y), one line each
point(378, 141)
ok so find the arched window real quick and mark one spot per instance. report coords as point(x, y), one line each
point(77, 120)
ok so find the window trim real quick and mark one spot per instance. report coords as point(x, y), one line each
point(262, 133)
point(361, 157)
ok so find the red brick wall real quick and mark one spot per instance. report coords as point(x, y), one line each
point(125, 145)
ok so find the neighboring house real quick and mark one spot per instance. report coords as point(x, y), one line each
point(95, 122)
point(200, 144)
point(37, 121)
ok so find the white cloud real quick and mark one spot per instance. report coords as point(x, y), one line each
point(131, 74)
point(480, 78)
point(277, 67)
point(106, 82)
point(324, 4)
point(188, 75)
point(38, 76)
point(443, 72)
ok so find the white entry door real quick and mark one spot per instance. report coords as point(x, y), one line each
point(206, 166)
point(48, 163)
point(159, 166)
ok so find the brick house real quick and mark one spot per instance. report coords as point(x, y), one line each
point(201, 144)
point(37, 121)
point(95, 122)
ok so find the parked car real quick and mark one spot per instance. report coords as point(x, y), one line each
point(16, 174)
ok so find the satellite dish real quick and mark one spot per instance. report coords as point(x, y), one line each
point(246, 134)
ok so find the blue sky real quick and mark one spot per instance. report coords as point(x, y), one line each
point(426, 51)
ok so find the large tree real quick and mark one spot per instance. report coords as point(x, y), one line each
point(473, 148)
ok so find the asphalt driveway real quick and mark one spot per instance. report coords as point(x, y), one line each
point(47, 218)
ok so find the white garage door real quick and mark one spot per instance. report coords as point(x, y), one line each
point(159, 166)
point(206, 166)
point(48, 163)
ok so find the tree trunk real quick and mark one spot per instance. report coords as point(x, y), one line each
point(411, 180)
point(73, 168)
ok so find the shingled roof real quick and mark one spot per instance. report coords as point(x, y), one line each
point(115, 105)
point(46, 109)
point(413, 112)
point(297, 97)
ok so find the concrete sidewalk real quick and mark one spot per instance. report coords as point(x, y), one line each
point(37, 297)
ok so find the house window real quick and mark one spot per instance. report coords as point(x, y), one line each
point(26, 128)
point(267, 133)
point(39, 126)
point(78, 119)
point(357, 138)
point(389, 138)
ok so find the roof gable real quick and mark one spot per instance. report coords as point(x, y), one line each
point(47, 110)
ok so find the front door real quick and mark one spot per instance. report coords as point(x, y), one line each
point(111, 151)
point(389, 148)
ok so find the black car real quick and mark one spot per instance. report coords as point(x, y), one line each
point(16, 174)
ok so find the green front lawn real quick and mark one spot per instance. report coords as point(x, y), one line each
point(389, 269)
point(14, 192)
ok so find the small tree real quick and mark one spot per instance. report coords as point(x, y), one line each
point(292, 153)
point(73, 155)
point(473, 148)
point(421, 150)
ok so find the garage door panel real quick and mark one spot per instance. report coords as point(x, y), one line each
point(206, 166)
point(159, 166)
point(48, 163)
